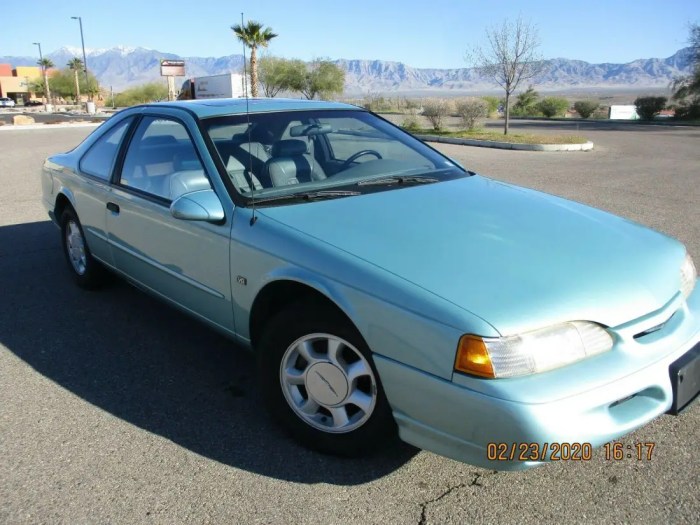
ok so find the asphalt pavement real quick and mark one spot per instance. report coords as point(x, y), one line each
point(117, 409)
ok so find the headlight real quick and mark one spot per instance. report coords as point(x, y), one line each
point(531, 352)
point(688, 276)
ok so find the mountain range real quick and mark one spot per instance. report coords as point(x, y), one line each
point(122, 67)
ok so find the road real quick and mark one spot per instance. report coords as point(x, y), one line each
point(117, 409)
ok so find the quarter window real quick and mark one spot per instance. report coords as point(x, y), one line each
point(99, 160)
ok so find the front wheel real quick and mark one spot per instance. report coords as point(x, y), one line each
point(321, 385)
point(86, 271)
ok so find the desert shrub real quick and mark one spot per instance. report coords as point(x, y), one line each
point(649, 107)
point(471, 110)
point(412, 106)
point(552, 106)
point(411, 123)
point(601, 113)
point(435, 110)
point(373, 102)
point(585, 108)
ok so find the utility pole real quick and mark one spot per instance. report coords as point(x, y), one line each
point(85, 69)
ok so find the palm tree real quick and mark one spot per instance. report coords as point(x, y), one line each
point(45, 64)
point(254, 35)
point(76, 65)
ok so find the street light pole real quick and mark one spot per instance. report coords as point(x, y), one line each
point(82, 41)
point(43, 70)
point(41, 57)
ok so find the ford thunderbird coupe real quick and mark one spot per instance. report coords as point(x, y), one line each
point(385, 289)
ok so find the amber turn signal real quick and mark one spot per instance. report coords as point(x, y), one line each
point(473, 357)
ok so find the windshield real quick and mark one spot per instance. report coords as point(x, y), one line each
point(290, 152)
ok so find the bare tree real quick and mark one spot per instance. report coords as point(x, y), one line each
point(512, 56)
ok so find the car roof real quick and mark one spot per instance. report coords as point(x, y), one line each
point(205, 108)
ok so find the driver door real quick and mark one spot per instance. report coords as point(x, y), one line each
point(185, 262)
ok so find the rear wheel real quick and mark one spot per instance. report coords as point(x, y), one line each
point(86, 271)
point(321, 385)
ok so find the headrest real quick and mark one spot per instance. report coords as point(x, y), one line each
point(259, 133)
point(288, 148)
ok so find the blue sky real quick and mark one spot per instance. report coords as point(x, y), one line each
point(433, 33)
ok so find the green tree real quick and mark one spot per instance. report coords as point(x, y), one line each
point(45, 64)
point(63, 84)
point(279, 74)
point(649, 107)
point(323, 78)
point(526, 102)
point(76, 65)
point(512, 56)
point(585, 108)
point(253, 35)
point(552, 106)
point(687, 88)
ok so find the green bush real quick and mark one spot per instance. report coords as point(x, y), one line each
point(471, 110)
point(553, 106)
point(151, 92)
point(526, 103)
point(585, 108)
point(493, 103)
point(649, 107)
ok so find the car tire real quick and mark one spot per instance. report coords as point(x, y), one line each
point(320, 384)
point(86, 271)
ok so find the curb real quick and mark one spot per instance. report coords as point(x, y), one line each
point(13, 127)
point(506, 145)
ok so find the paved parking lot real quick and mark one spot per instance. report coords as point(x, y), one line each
point(117, 409)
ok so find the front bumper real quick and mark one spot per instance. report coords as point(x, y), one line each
point(458, 422)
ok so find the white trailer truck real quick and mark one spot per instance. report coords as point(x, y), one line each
point(227, 85)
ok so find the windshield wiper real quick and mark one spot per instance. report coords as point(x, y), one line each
point(398, 179)
point(309, 196)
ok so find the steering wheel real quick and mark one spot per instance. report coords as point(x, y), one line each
point(359, 154)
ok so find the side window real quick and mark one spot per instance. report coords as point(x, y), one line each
point(99, 160)
point(162, 160)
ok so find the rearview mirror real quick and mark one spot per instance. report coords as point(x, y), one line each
point(309, 130)
point(202, 205)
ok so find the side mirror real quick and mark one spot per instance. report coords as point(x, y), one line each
point(202, 205)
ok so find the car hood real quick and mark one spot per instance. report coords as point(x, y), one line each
point(517, 258)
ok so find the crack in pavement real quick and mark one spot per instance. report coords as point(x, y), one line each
point(474, 483)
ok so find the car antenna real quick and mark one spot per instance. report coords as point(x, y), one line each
point(253, 218)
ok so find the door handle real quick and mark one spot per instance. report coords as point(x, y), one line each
point(113, 207)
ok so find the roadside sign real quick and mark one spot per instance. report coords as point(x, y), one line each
point(172, 68)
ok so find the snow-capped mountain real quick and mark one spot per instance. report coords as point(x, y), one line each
point(123, 66)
